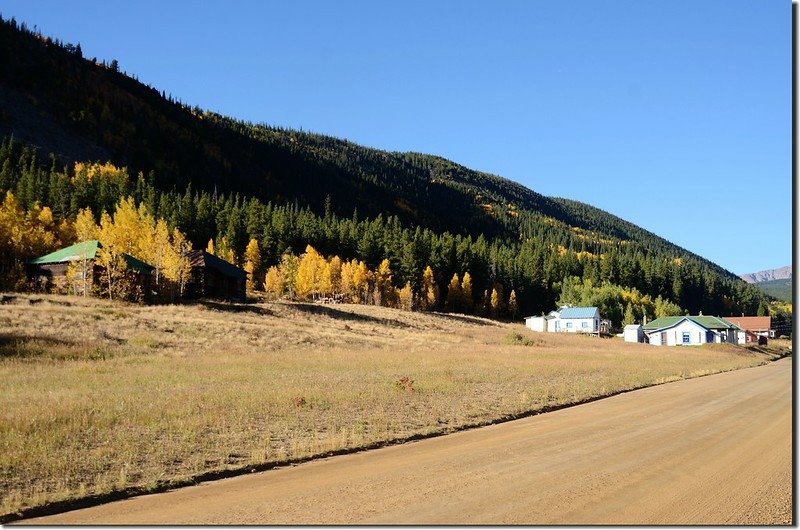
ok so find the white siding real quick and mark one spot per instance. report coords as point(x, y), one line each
point(578, 325)
point(675, 335)
point(536, 323)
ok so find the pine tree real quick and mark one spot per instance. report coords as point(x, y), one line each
point(629, 317)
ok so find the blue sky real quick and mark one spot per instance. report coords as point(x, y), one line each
point(673, 115)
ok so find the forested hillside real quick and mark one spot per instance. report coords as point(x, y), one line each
point(213, 177)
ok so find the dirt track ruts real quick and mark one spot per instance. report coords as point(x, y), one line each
point(711, 450)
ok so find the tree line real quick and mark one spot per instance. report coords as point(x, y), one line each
point(538, 266)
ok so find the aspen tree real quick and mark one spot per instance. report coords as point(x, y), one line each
point(406, 297)
point(454, 294)
point(512, 304)
point(428, 290)
point(466, 291)
point(252, 263)
point(273, 282)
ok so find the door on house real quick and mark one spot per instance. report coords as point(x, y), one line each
point(663, 338)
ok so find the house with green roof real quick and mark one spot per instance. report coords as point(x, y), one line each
point(74, 269)
point(690, 331)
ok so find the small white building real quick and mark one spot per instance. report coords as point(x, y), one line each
point(633, 333)
point(568, 320)
point(542, 323)
point(690, 330)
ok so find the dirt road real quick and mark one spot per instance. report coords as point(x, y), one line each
point(712, 450)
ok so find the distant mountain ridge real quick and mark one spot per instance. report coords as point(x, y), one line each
point(783, 273)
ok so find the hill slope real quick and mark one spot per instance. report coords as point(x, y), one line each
point(78, 109)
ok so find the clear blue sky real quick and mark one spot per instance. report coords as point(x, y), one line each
point(675, 115)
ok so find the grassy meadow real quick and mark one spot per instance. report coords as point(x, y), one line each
point(100, 396)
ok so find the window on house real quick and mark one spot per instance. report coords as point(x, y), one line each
point(569, 324)
point(686, 339)
point(584, 324)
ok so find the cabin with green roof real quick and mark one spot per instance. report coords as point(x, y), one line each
point(690, 331)
point(75, 270)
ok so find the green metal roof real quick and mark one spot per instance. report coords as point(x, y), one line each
point(84, 250)
point(707, 322)
point(87, 250)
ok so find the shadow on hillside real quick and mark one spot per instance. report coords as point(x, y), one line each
point(466, 319)
point(230, 307)
point(338, 314)
point(28, 345)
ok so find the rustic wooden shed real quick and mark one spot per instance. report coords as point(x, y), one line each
point(213, 277)
point(74, 269)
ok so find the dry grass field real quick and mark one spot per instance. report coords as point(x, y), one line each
point(101, 396)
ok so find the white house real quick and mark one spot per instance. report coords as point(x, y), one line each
point(690, 330)
point(568, 320)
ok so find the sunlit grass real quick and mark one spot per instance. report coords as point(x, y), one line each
point(100, 397)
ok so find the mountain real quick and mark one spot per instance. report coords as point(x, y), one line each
point(779, 289)
point(783, 273)
point(60, 107)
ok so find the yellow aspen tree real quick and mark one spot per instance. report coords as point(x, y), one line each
point(383, 283)
point(161, 249)
point(273, 282)
point(147, 227)
point(181, 247)
point(252, 263)
point(85, 226)
point(454, 295)
point(346, 286)
point(428, 289)
point(406, 297)
point(325, 280)
point(309, 273)
point(466, 292)
point(40, 230)
point(512, 304)
point(210, 246)
point(497, 300)
point(336, 275)
point(109, 256)
point(127, 227)
point(361, 279)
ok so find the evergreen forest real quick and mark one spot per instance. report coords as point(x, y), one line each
point(80, 136)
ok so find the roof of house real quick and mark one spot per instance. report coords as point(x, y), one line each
point(707, 322)
point(86, 250)
point(578, 312)
point(201, 258)
point(83, 250)
point(751, 323)
point(633, 326)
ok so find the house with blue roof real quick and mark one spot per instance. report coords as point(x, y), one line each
point(568, 320)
